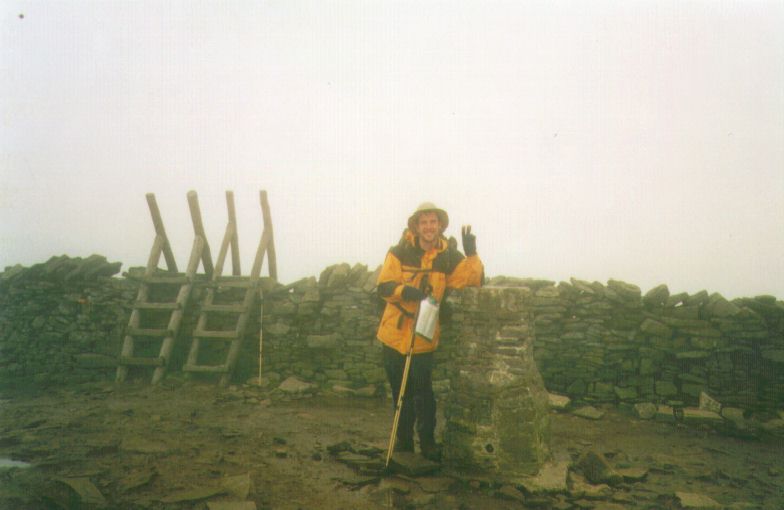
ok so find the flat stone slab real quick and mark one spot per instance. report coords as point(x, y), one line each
point(697, 501)
point(589, 412)
point(664, 413)
point(558, 402)
point(435, 484)
point(365, 465)
point(231, 505)
point(412, 464)
point(633, 474)
point(645, 410)
point(596, 469)
point(292, 385)
point(694, 415)
point(581, 488)
point(552, 478)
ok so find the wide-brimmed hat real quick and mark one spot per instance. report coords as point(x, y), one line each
point(443, 217)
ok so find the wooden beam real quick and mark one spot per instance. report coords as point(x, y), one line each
point(271, 260)
point(225, 244)
point(157, 222)
point(235, 240)
point(198, 229)
point(259, 260)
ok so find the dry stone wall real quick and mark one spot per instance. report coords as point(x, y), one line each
point(63, 321)
point(607, 343)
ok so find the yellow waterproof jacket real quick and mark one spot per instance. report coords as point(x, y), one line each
point(407, 264)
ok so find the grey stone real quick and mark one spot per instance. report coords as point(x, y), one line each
point(709, 403)
point(292, 385)
point(412, 464)
point(720, 307)
point(685, 312)
point(676, 299)
point(558, 402)
point(589, 412)
point(655, 328)
point(626, 290)
point(338, 277)
point(645, 410)
point(775, 426)
point(697, 299)
point(231, 505)
point(665, 413)
point(509, 492)
point(666, 388)
point(626, 393)
point(633, 474)
point(701, 416)
point(697, 501)
point(582, 286)
point(551, 478)
point(322, 341)
point(657, 296)
point(277, 328)
point(366, 391)
point(577, 388)
point(595, 468)
point(580, 488)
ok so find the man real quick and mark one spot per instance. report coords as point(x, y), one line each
point(423, 263)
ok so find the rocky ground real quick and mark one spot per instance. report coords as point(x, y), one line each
point(191, 445)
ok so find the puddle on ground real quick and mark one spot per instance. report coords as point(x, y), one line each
point(10, 463)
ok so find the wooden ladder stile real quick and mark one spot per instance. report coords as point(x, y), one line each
point(239, 310)
point(153, 278)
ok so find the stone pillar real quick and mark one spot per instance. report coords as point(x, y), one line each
point(497, 422)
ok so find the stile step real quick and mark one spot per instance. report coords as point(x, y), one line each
point(156, 333)
point(216, 335)
point(146, 362)
point(156, 306)
point(166, 280)
point(220, 369)
point(234, 284)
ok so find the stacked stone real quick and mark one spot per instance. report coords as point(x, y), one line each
point(496, 414)
point(591, 354)
point(751, 356)
point(595, 342)
point(324, 331)
point(59, 320)
point(551, 310)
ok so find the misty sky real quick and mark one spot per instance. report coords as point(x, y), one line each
point(642, 141)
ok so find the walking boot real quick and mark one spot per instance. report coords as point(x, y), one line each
point(430, 450)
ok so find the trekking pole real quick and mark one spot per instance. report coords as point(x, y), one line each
point(399, 405)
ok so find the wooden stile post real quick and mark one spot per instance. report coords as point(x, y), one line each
point(198, 229)
point(235, 243)
point(265, 211)
point(171, 264)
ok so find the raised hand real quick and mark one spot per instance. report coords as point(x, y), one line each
point(469, 241)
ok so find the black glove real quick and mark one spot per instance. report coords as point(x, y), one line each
point(469, 241)
point(412, 294)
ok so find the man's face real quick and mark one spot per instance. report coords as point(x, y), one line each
point(428, 226)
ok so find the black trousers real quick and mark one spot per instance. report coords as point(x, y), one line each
point(419, 402)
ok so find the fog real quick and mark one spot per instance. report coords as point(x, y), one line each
point(641, 141)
